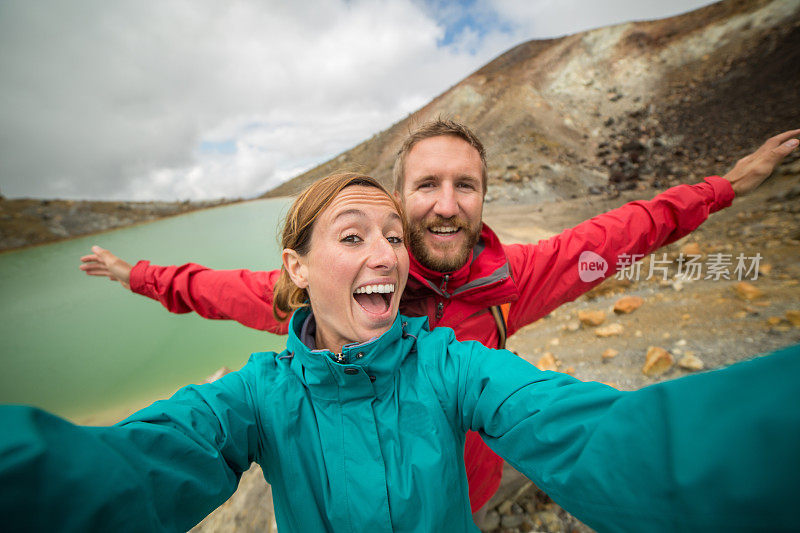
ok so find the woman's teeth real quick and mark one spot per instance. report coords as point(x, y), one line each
point(369, 289)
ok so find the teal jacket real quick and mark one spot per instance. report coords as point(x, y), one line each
point(375, 444)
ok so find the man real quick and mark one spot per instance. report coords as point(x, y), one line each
point(461, 276)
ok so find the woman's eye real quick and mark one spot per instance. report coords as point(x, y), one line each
point(353, 238)
point(395, 240)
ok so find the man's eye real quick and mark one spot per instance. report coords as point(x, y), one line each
point(353, 238)
point(426, 185)
point(466, 185)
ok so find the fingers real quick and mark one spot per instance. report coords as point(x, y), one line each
point(782, 137)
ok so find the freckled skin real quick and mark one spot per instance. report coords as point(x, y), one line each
point(443, 188)
point(356, 240)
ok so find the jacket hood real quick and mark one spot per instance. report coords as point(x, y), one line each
point(366, 368)
point(485, 277)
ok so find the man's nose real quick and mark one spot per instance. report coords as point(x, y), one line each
point(446, 204)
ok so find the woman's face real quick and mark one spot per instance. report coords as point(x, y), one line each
point(356, 268)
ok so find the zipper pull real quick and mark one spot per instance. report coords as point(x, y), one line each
point(444, 282)
point(439, 310)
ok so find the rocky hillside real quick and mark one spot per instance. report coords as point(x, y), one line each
point(655, 103)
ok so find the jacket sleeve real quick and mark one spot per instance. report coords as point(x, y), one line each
point(716, 451)
point(547, 273)
point(240, 295)
point(163, 469)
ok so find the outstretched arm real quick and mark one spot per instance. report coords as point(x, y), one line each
point(550, 272)
point(699, 453)
point(240, 295)
point(163, 469)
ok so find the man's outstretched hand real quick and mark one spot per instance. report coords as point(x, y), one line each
point(104, 263)
point(750, 171)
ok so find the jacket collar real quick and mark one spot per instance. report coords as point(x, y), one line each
point(486, 274)
point(367, 368)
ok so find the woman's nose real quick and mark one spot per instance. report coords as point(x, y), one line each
point(382, 255)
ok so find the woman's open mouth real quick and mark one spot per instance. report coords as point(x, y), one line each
point(376, 298)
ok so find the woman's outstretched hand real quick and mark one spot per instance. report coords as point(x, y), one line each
point(103, 263)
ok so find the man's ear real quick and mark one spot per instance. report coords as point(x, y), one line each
point(295, 266)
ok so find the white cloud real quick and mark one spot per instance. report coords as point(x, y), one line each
point(117, 99)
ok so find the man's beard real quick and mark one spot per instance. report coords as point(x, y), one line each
point(443, 259)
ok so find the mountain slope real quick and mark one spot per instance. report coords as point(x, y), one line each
point(655, 102)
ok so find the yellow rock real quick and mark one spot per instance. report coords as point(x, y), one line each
point(747, 291)
point(774, 320)
point(591, 318)
point(691, 248)
point(628, 304)
point(691, 362)
point(793, 316)
point(658, 361)
point(609, 330)
point(547, 362)
point(610, 353)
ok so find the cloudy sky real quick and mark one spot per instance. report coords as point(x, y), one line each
point(194, 99)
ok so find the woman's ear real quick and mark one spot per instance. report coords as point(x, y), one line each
point(295, 266)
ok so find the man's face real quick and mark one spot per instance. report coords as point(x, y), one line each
point(443, 198)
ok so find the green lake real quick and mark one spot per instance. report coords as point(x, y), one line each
point(77, 345)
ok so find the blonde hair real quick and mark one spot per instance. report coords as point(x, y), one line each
point(299, 225)
point(436, 128)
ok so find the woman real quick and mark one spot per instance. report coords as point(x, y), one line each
point(359, 424)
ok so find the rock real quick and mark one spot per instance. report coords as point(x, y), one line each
point(548, 521)
point(511, 520)
point(609, 331)
point(490, 521)
point(591, 318)
point(573, 325)
point(691, 362)
point(747, 291)
point(658, 361)
point(609, 353)
point(774, 320)
point(691, 248)
point(793, 316)
point(628, 304)
point(554, 341)
point(570, 370)
point(547, 362)
point(505, 507)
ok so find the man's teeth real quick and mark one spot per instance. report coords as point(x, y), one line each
point(369, 289)
point(444, 229)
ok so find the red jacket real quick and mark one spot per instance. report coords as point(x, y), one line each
point(534, 278)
